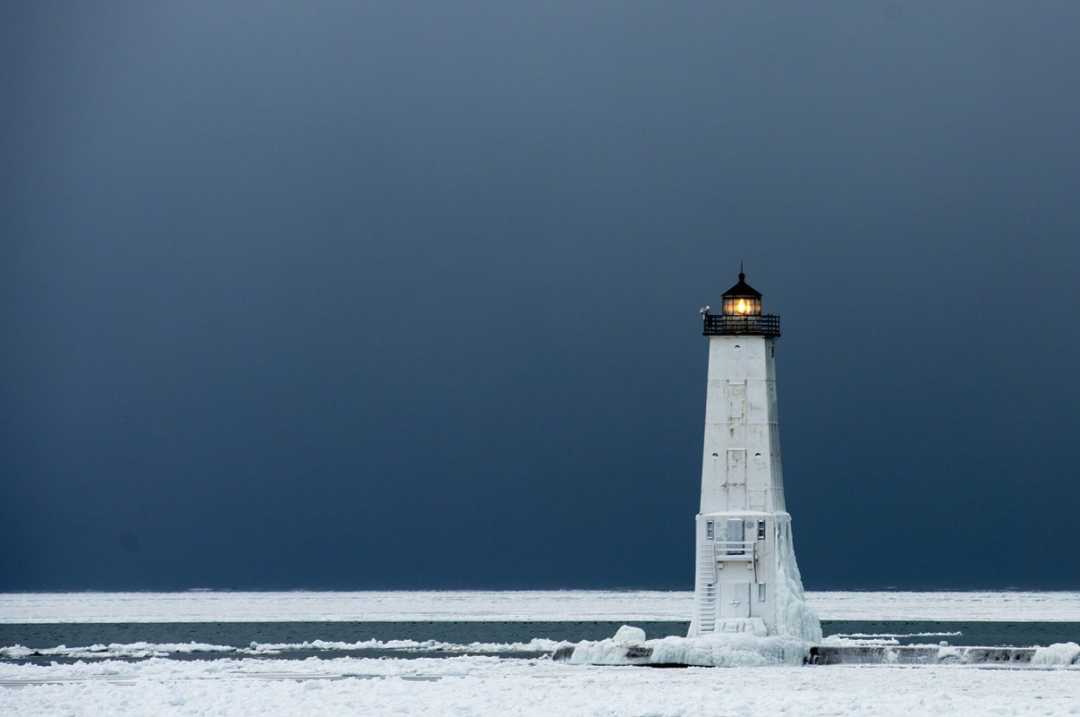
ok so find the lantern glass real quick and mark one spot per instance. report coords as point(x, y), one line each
point(742, 306)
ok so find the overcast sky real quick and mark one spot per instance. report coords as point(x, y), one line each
point(405, 294)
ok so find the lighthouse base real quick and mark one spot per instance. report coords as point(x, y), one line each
point(747, 581)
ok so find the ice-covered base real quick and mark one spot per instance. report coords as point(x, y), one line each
point(629, 647)
point(794, 616)
point(786, 611)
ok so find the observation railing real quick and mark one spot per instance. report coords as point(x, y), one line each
point(727, 325)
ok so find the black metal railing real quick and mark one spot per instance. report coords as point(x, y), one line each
point(723, 325)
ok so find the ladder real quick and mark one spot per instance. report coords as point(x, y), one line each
point(707, 603)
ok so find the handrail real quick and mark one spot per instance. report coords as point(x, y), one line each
point(725, 325)
point(735, 547)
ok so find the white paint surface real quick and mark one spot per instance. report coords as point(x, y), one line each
point(741, 468)
point(745, 570)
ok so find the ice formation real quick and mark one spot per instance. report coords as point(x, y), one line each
point(714, 650)
point(1061, 653)
point(139, 650)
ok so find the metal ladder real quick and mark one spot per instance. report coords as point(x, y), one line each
point(707, 606)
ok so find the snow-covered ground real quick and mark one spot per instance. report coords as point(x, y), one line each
point(489, 686)
point(539, 606)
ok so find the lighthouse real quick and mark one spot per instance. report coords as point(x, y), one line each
point(746, 579)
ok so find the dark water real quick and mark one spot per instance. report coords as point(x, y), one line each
point(984, 634)
point(249, 639)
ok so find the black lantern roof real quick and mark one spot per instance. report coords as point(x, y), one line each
point(743, 289)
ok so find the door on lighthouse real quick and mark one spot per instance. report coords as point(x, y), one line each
point(734, 600)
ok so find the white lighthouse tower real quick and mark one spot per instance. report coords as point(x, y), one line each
point(746, 579)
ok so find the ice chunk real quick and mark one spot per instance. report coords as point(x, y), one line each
point(628, 635)
point(1060, 653)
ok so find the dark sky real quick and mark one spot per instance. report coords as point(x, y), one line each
point(404, 294)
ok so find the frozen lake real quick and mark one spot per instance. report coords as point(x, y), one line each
point(526, 605)
point(485, 653)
